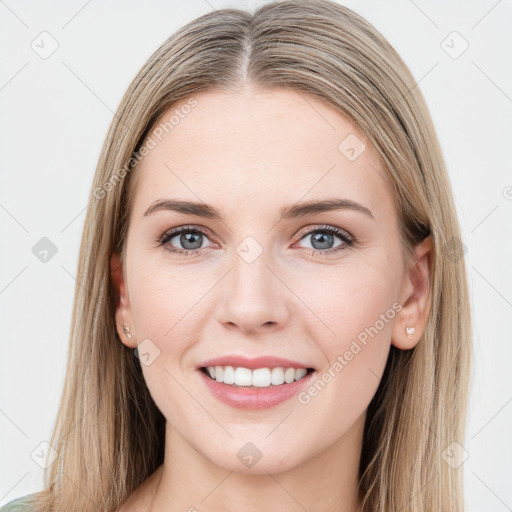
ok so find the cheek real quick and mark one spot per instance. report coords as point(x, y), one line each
point(350, 301)
point(162, 303)
point(165, 304)
point(155, 292)
point(357, 309)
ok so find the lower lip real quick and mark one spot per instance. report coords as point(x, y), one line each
point(254, 398)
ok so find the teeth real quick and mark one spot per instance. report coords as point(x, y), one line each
point(229, 375)
point(289, 375)
point(277, 376)
point(243, 377)
point(300, 372)
point(260, 377)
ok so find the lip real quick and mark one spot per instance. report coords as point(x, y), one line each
point(254, 398)
point(253, 363)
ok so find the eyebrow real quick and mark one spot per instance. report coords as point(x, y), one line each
point(287, 212)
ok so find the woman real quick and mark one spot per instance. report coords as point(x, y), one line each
point(267, 314)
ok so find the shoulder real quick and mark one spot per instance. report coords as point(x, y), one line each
point(22, 504)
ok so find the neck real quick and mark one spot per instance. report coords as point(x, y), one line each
point(190, 482)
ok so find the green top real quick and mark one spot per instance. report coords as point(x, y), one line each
point(19, 504)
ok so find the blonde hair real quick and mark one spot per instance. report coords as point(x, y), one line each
point(109, 433)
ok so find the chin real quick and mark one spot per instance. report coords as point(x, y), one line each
point(248, 459)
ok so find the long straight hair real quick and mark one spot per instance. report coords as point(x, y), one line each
point(108, 433)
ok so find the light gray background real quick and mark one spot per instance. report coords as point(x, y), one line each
point(54, 116)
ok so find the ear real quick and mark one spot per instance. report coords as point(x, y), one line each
point(414, 298)
point(123, 308)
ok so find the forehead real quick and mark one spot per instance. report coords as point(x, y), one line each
point(233, 149)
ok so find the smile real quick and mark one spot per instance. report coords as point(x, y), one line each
point(254, 389)
point(255, 378)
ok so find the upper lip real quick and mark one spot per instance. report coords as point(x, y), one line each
point(253, 363)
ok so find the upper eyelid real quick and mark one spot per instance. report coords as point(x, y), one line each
point(326, 227)
point(187, 227)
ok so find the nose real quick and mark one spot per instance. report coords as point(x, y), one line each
point(254, 297)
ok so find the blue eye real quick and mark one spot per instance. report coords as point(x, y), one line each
point(192, 238)
point(323, 237)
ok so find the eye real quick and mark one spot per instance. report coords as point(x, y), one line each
point(190, 238)
point(322, 239)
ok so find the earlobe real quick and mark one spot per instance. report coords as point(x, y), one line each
point(412, 319)
point(123, 315)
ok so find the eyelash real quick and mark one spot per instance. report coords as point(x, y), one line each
point(348, 239)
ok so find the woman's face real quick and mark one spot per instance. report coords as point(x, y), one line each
point(325, 288)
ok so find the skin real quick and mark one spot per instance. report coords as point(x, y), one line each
point(248, 154)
